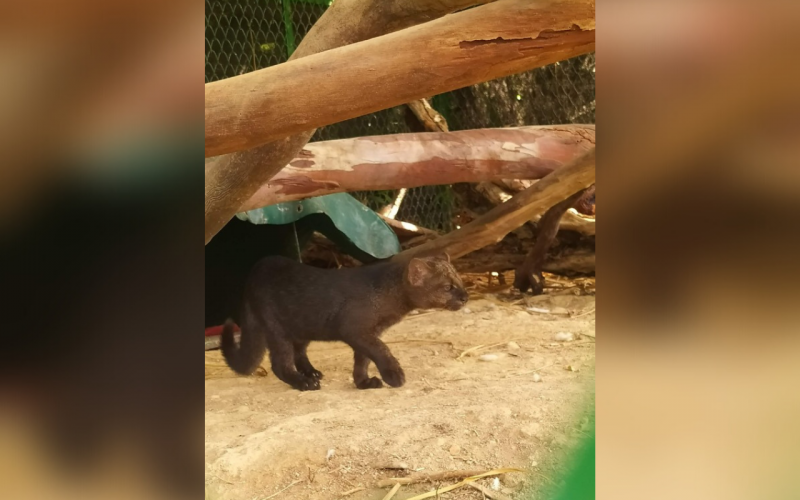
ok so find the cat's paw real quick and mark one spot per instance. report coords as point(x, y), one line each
point(307, 384)
point(370, 383)
point(394, 377)
point(312, 373)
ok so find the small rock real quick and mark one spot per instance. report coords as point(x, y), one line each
point(330, 454)
point(466, 310)
point(412, 313)
point(455, 449)
point(531, 430)
point(489, 357)
point(394, 466)
point(534, 463)
point(537, 377)
point(564, 337)
point(514, 480)
point(496, 484)
point(513, 346)
point(560, 439)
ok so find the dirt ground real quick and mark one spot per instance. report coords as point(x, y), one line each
point(521, 406)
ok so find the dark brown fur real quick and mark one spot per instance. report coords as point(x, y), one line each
point(287, 305)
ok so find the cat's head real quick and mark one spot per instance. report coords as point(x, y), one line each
point(433, 283)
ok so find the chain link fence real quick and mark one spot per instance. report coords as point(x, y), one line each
point(245, 35)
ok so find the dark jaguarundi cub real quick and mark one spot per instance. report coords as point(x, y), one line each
point(287, 304)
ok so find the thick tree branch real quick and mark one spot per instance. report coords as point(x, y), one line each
point(477, 45)
point(424, 159)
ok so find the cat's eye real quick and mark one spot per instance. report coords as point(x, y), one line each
point(447, 287)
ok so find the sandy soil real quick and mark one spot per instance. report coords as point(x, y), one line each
point(453, 413)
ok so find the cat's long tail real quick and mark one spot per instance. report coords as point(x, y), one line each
point(247, 356)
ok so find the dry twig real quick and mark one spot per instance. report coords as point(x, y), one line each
point(281, 491)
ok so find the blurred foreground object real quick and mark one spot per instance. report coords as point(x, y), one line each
point(697, 396)
point(100, 133)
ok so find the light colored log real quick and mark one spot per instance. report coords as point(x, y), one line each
point(412, 160)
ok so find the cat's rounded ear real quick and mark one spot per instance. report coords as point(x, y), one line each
point(418, 271)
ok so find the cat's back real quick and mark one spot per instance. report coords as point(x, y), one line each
point(276, 270)
point(289, 277)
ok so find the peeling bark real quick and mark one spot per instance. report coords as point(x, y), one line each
point(411, 160)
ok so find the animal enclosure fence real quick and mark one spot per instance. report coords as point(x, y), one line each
point(246, 35)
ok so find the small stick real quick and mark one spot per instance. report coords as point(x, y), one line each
point(420, 315)
point(441, 476)
point(392, 492)
point(466, 481)
point(590, 311)
point(482, 346)
point(281, 491)
point(488, 493)
point(350, 492)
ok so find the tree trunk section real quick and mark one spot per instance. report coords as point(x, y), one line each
point(473, 46)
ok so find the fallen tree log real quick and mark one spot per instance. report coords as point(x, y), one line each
point(498, 222)
point(411, 160)
point(232, 179)
point(472, 46)
point(568, 261)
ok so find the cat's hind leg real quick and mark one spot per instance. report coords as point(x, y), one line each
point(302, 363)
point(281, 354)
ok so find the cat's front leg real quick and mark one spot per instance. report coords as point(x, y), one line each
point(375, 349)
point(361, 374)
